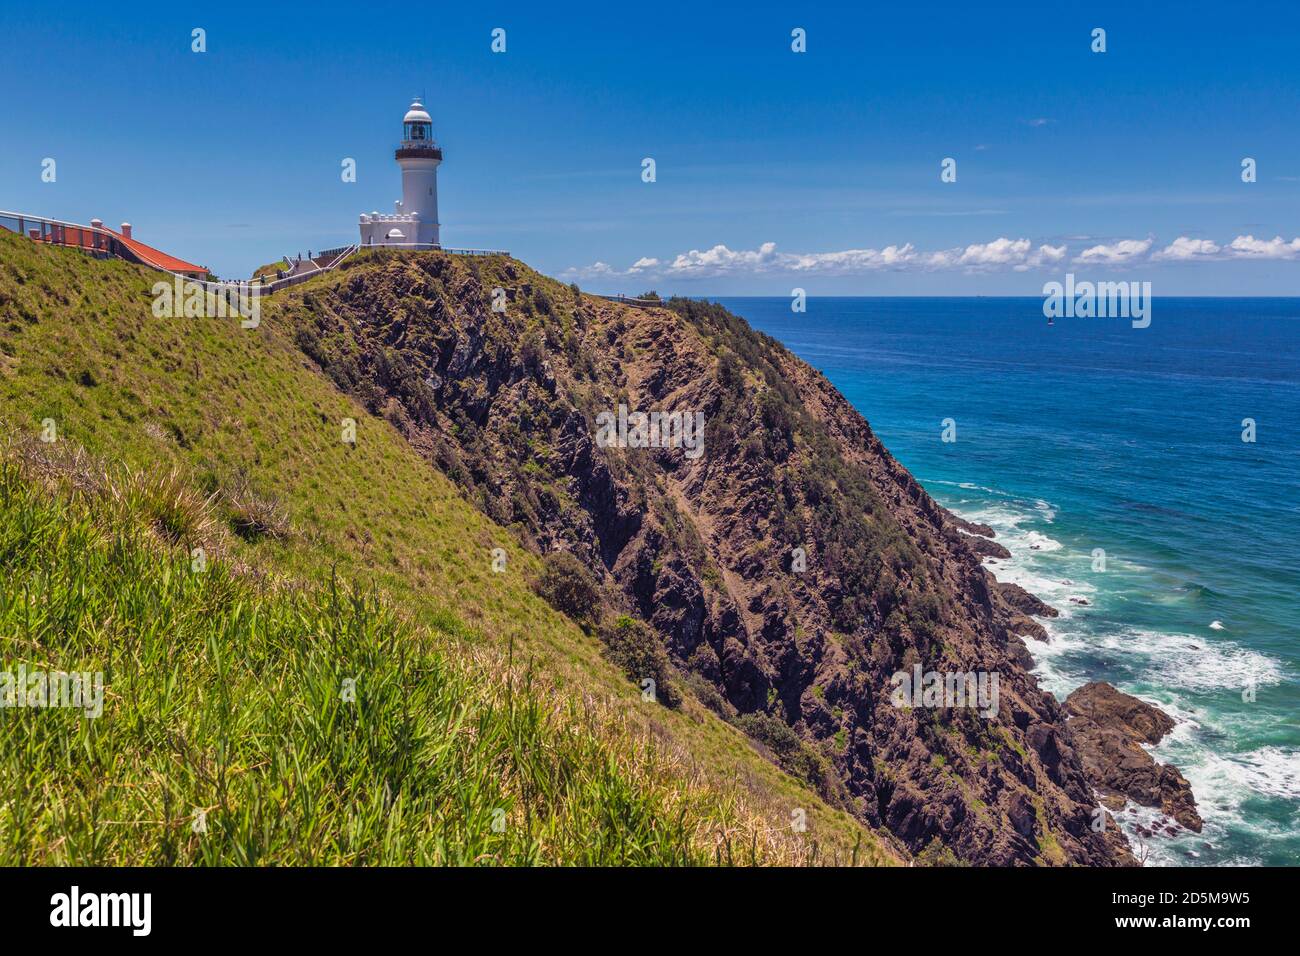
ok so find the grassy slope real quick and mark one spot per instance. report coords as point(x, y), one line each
point(227, 736)
point(81, 347)
point(271, 268)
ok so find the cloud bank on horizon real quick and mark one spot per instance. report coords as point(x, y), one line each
point(1001, 254)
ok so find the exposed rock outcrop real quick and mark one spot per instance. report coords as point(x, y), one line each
point(1109, 728)
point(971, 527)
point(1024, 626)
point(986, 548)
point(1023, 601)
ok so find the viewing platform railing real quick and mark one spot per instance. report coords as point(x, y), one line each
point(94, 240)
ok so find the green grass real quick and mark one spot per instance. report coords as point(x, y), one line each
point(240, 417)
point(231, 699)
point(271, 268)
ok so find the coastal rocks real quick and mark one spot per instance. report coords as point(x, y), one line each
point(1023, 601)
point(1109, 728)
point(971, 527)
point(1024, 626)
point(985, 548)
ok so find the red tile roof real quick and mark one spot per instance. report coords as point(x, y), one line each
point(158, 257)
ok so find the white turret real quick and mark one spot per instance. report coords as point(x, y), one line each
point(414, 222)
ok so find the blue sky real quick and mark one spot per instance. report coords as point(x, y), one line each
point(774, 169)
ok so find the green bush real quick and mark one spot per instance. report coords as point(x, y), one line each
point(634, 647)
point(566, 585)
point(708, 695)
point(936, 854)
point(790, 750)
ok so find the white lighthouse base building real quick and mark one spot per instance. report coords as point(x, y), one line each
point(414, 221)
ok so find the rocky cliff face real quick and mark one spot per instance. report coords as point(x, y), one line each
point(790, 570)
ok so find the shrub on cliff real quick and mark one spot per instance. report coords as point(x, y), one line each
point(936, 854)
point(568, 586)
point(791, 752)
point(634, 647)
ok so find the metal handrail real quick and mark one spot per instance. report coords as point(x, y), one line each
point(628, 300)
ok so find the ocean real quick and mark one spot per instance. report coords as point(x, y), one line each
point(1090, 439)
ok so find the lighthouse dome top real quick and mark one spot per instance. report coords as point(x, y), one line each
point(416, 114)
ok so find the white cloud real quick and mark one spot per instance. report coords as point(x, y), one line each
point(981, 254)
point(1118, 253)
point(1184, 249)
point(851, 261)
point(1018, 255)
point(1046, 255)
point(720, 260)
point(1248, 247)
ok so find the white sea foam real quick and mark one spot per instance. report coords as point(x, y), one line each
point(1272, 771)
point(1036, 541)
point(1191, 663)
point(1187, 720)
point(967, 486)
point(1161, 849)
point(1221, 781)
point(1036, 565)
point(1176, 661)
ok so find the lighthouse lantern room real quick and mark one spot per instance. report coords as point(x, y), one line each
point(414, 223)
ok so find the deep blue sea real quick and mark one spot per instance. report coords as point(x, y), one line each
point(1090, 434)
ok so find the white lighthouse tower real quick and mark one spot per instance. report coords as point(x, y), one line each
point(414, 223)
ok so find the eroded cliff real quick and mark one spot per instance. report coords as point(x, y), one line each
point(790, 570)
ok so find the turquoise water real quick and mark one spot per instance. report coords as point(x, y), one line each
point(1090, 434)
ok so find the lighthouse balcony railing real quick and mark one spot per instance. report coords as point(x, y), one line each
point(418, 150)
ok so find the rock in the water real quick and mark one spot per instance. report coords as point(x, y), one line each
point(1109, 729)
point(985, 548)
point(971, 527)
point(1024, 626)
point(1025, 602)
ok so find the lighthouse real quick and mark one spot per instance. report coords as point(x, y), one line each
point(414, 222)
